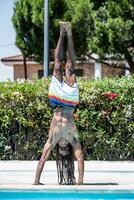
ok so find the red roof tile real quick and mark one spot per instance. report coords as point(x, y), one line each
point(16, 58)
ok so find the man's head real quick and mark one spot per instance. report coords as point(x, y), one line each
point(63, 147)
point(65, 162)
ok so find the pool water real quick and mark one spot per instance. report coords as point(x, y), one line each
point(65, 195)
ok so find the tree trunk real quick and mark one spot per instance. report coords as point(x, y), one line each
point(25, 67)
point(131, 67)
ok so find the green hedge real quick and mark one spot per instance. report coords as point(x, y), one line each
point(106, 122)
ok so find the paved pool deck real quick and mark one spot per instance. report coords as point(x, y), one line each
point(99, 175)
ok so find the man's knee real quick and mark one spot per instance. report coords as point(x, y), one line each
point(79, 152)
point(70, 68)
point(71, 71)
point(47, 149)
point(57, 66)
point(79, 156)
point(48, 145)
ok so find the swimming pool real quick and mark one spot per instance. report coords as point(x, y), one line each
point(65, 195)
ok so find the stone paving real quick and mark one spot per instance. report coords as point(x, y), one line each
point(105, 175)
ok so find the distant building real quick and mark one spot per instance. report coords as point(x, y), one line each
point(17, 62)
point(87, 68)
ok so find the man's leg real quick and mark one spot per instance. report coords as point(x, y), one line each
point(70, 65)
point(79, 157)
point(44, 157)
point(45, 154)
point(59, 54)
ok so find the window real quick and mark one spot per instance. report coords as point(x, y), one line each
point(40, 73)
point(79, 72)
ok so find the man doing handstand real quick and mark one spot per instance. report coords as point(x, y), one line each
point(64, 97)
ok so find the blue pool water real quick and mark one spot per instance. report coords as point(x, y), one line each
point(65, 195)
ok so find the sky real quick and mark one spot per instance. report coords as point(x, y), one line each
point(7, 38)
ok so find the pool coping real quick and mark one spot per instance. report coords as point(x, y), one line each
point(64, 187)
point(99, 175)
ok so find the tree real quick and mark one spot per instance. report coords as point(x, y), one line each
point(28, 21)
point(113, 32)
point(105, 27)
point(80, 15)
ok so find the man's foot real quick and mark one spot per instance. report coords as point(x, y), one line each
point(62, 28)
point(80, 183)
point(68, 28)
point(38, 183)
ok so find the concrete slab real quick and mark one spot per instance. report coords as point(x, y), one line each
point(105, 175)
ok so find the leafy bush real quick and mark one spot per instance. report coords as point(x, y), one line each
point(107, 118)
point(106, 123)
point(24, 117)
